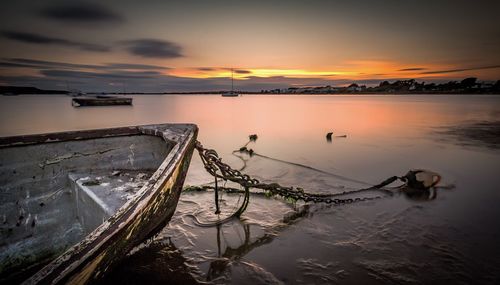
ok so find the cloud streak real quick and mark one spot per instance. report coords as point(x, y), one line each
point(133, 66)
point(34, 63)
point(153, 48)
point(112, 75)
point(152, 78)
point(242, 71)
point(43, 64)
point(38, 39)
point(413, 69)
point(81, 12)
point(460, 69)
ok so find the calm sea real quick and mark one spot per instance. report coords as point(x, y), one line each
point(397, 239)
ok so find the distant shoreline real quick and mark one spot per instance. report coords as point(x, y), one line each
point(257, 93)
point(467, 86)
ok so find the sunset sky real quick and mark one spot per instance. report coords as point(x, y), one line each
point(191, 45)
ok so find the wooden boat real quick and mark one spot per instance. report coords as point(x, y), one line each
point(73, 204)
point(100, 100)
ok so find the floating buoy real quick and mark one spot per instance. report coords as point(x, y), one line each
point(421, 179)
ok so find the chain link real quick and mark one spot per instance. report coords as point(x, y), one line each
point(214, 165)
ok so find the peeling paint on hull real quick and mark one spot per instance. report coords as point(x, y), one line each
point(139, 218)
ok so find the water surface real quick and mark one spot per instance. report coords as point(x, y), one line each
point(391, 240)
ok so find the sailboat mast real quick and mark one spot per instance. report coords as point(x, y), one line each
point(232, 79)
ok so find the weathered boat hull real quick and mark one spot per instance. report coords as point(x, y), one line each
point(100, 101)
point(140, 218)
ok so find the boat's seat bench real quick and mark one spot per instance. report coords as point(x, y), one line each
point(58, 219)
point(98, 196)
point(55, 189)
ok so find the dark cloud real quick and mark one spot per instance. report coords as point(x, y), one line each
point(206, 69)
point(134, 66)
point(153, 48)
point(44, 40)
point(92, 47)
point(413, 69)
point(242, 71)
point(37, 81)
point(106, 75)
point(13, 64)
point(460, 69)
point(42, 64)
point(81, 12)
point(27, 62)
point(32, 38)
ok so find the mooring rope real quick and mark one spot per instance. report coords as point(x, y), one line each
point(253, 153)
point(416, 179)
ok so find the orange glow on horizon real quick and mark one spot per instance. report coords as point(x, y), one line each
point(256, 72)
point(353, 70)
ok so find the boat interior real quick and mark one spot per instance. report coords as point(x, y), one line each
point(53, 194)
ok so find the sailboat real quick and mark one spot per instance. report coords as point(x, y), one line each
point(231, 93)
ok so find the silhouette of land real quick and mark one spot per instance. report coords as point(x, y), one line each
point(466, 86)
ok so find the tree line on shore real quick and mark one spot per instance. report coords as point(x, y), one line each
point(468, 85)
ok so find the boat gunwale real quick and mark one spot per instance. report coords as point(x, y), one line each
point(63, 136)
point(61, 269)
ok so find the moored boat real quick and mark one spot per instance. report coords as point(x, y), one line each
point(100, 100)
point(231, 93)
point(73, 204)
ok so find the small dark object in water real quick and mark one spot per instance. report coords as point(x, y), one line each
point(42, 204)
point(253, 137)
point(33, 223)
point(91, 183)
point(243, 149)
point(421, 179)
point(329, 137)
point(250, 152)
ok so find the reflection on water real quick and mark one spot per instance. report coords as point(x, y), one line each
point(210, 254)
point(476, 134)
point(451, 238)
point(162, 263)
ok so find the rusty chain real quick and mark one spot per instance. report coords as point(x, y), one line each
point(220, 170)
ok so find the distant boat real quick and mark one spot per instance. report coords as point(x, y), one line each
point(100, 100)
point(75, 203)
point(231, 93)
point(75, 93)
